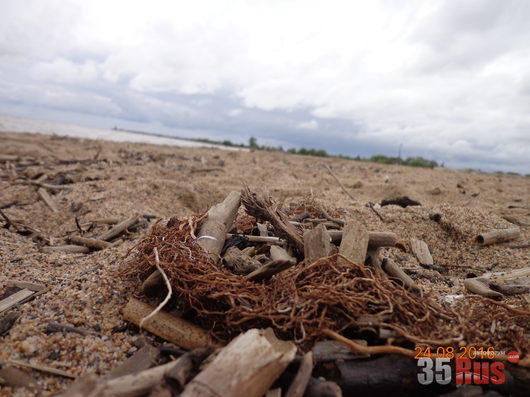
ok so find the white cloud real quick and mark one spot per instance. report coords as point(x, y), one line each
point(434, 74)
point(310, 125)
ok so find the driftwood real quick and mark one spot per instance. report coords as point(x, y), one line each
point(281, 260)
point(262, 207)
point(9, 157)
point(69, 249)
point(15, 299)
point(42, 368)
point(384, 376)
point(373, 258)
point(374, 210)
point(269, 269)
point(494, 285)
point(246, 367)
point(375, 239)
point(330, 218)
point(258, 239)
point(90, 242)
point(498, 236)
point(515, 220)
point(119, 228)
point(301, 380)
point(403, 201)
point(43, 194)
point(26, 284)
point(17, 378)
point(8, 205)
point(213, 231)
point(7, 321)
point(133, 385)
point(394, 270)
point(317, 244)
point(238, 262)
point(339, 183)
point(354, 242)
point(279, 253)
point(263, 232)
point(142, 360)
point(166, 326)
point(421, 251)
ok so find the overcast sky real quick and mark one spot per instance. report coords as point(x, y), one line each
point(450, 80)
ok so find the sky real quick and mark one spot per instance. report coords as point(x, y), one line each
point(446, 80)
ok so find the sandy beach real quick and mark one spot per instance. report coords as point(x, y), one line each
point(107, 179)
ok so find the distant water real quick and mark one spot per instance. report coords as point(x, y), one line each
point(21, 124)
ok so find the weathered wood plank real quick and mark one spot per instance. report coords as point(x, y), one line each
point(246, 367)
point(15, 299)
point(354, 244)
point(421, 251)
point(317, 244)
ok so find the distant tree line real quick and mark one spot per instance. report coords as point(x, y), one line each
point(382, 159)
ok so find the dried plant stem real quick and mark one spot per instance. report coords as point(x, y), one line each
point(169, 290)
point(339, 182)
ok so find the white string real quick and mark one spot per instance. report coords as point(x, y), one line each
point(169, 292)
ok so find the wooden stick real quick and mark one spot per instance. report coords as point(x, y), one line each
point(258, 239)
point(15, 299)
point(330, 218)
point(50, 187)
point(386, 349)
point(339, 182)
point(119, 228)
point(9, 157)
point(90, 242)
point(47, 199)
point(174, 329)
point(219, 221)
point(372, 207)
point(26, 284)
point(498, 236)
point(43, 368)
point(270, 269)
point(134, 385)
point(301, 380)
point(69, 249)
point(250, 363)
point(393, 269)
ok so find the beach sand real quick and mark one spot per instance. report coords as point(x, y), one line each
point(120, 179)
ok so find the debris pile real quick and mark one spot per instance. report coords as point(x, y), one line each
point(309, 276)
